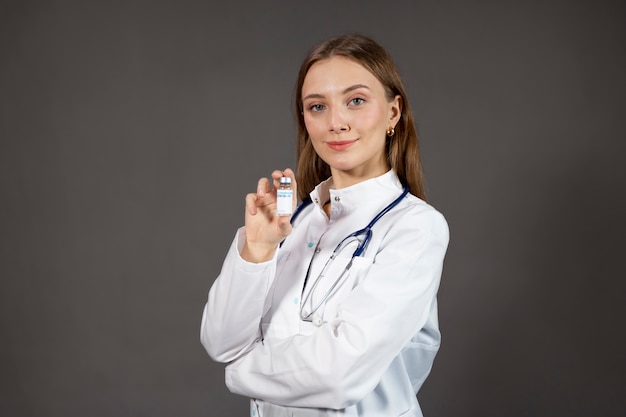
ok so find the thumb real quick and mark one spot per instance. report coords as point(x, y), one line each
point(284, 226)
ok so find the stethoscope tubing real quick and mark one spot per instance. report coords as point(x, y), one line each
point(367, 231)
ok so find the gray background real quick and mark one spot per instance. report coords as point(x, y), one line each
point(131, 131)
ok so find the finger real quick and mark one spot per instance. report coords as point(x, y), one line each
point(276, 176)
point(289, 173)
point(284, 226)
point(263, 187)
point(251, 200)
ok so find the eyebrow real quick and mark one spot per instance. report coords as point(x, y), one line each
point(345, 91)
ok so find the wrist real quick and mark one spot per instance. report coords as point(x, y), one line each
point(257, 252)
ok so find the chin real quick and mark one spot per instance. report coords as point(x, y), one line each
point(341, 166)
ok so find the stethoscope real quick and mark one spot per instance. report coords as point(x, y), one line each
point(362, 236)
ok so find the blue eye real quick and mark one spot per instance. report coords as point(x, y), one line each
point(316, 107)
point(357, 101)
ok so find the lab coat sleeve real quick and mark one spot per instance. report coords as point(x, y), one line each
point(236, 303)
point(345, 359)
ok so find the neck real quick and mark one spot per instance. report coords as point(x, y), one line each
point(326, 207)
point(343, 179)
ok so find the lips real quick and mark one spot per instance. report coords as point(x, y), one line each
point(340, 145)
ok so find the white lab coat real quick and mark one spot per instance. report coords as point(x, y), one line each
point(371, 345)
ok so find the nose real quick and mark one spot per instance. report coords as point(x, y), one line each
point(338, 120)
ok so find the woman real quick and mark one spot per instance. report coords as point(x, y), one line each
point(305, 334)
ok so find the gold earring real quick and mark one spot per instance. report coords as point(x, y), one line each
point(391, 131)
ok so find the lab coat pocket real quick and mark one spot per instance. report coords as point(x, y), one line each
point(342, 277)
point(358, 271)
point(353, 270)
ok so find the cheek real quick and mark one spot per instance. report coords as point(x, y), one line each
point(313, 127)
point(377, 119)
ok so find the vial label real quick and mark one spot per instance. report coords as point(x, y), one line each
point(284, 202)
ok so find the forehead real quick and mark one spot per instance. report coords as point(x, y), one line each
point(336, 74)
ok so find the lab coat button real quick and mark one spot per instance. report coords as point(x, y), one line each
point(337, 198)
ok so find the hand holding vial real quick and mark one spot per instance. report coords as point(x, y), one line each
point(267, 219)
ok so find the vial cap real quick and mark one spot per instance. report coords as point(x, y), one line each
point(285, 180)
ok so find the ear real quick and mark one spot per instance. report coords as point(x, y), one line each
point(395, 110)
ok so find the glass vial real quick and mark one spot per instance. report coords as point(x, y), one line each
point(284, 197)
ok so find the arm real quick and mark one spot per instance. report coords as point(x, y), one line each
point(236, 303)
point(344, 359)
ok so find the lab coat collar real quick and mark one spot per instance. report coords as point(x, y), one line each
point(373, 191)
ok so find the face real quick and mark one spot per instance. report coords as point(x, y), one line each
point(347, 114)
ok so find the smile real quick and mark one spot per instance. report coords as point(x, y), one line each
point(340, 145)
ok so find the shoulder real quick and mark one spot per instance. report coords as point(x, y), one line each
point(416, 215)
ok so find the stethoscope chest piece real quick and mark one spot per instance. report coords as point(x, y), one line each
point(317, 320)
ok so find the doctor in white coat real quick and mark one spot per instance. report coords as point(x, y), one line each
point(312, 318)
